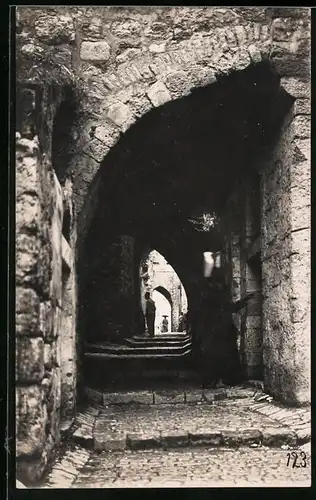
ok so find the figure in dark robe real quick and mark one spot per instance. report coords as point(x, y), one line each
point(150, 314)
point(219, 357)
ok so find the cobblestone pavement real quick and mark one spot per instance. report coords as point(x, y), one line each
point(262, 467)
point(230, 421)
point(172, 443)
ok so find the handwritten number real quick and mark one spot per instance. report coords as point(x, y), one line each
point(303, 455)
point(288, 459)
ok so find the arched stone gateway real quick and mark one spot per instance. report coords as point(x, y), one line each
point(172, 109)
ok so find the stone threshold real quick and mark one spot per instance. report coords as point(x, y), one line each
point(276, 437)
point(166, 396)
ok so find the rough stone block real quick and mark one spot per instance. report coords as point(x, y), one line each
point(254, 53)
point(56, 388)
point(302, 106)
point(174, 439)
point(83, 437)
point(169, 396)
point(303, 434)
point(107, 134)
point(48, 358)
point(193, 396)
point(46, 320)
point(301, 127)
point(95, 51)
point(278, 436)
point(28, 213)
point(205, 438)
point(283, 28)
point(296, 87)
point(211, 395)
point(55, 29)
point(27, 175)
point(128, 55)
point(30, 431)
point(119, 114)
point(27, 252)
point(110, 443)
point(144, 441)
point(178, 83)
point(158, 94)
point(29, 359)
point(27, 312)
point(241, 437)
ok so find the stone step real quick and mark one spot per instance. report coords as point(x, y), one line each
point(137, 350)
point(155, 343)
point(132, 355)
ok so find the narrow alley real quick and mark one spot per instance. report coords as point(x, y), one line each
point(162, 247)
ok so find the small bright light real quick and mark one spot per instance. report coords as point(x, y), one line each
point(208, 264)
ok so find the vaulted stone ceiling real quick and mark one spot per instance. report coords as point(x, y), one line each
point(190, 152)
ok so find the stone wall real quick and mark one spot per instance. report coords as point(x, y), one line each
point(106, 289)
point(241, 232)
point(276, 323)
point(45, 322)
point(286, 256)
point(134, 59)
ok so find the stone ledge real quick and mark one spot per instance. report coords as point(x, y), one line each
point(140, 397)
point(83, 436)
point(144, 441)
point(111, 442)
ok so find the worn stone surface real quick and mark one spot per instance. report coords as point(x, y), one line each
point(233, 422)
point(247, 467)
point(39, 296)
point(95, 51)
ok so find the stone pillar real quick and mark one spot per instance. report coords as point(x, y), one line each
point(286, 255)
point(251, 283)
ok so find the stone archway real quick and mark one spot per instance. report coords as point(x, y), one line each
point(129, 71)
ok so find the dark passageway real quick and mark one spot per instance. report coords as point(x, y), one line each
point(176, 164)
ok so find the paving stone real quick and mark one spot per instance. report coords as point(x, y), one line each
point(218, 467)
point(109, 442)
point(175, 438)
point(239, 393)
point(67, 467)
point(211, 395)
point(144, 441)
point(194, 396)
point(165, 397)
point(241, 437)
point(278, 436)
point(205, 438)
point(140, 397)
point(303, 434)
point(83, 437)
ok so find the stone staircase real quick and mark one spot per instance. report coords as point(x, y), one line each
point(141, 362)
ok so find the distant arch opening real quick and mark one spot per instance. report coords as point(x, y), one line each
point(157, 275)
